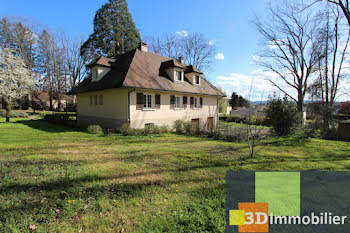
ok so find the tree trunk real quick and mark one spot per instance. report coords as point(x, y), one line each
point(50, 96)
point(8, 110)
point(300, 104)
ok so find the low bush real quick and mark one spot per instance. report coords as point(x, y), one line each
point(59, 118)
point(109, 131)
point(125, 129)
point(178, 126)
point(187, 125)
point(94, 129)
point(260, 120)
point(151, 129)
point(251, 120)
point(14, 114)
point(164, 129)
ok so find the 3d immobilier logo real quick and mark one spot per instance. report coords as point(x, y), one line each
point(285, 202)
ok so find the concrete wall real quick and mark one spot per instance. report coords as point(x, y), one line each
point(165, 115)
point(112, 114)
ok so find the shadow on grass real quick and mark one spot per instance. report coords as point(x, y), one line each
point(47, 126)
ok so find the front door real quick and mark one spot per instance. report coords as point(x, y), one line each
point(195, 125)
point(210, 123)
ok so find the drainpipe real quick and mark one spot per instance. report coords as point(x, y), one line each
point(129, 104)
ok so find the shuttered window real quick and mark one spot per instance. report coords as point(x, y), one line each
point(157, 97)
point(95, 99)
point(147, 101)
point(139, 101)
point(172, 101)
point(101, 99)
point(184, 102)
point(196, 103)
point(178, 102)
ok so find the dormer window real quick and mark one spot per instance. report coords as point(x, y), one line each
point(94, 74)
point(196, 79)
point(178, 76)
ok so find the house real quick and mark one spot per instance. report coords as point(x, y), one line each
point(142, 88)
point(253, 109)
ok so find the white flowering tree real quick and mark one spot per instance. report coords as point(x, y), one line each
point(15, 78)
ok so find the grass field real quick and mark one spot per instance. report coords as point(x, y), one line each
point(242, 125)
point(57, 179)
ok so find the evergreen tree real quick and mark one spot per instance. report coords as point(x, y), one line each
point(234, 100)
point(114, 31)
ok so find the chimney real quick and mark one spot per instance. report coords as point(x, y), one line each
point(182, 60)
point(143, 47)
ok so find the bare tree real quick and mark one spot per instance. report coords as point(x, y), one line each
point(195, 48)
point(74, 63)
point(344, 6)
point(50, 65)
point(289, 51)
point(333, 40)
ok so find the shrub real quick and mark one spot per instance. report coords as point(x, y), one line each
point(260, 120)
point(344, 108)
point(136, 132)
point(94, 129)
point(14, 114)
point(70, 107)
point(236, 118)
point(164, 129)
point(109, 131)
point(178, 126)
point(324, 120)
point(187, 127)
point(57, 117)
point(251, 120)
point(282, 115)
point(125, 129)
point(151, 129)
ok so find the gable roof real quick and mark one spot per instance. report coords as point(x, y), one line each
point(144, 70)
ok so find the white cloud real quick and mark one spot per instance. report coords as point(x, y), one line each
point(211, 42)
point(255, 87)
point(183, 33)
point(220, 56)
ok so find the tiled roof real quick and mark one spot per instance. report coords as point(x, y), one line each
point(145, 70)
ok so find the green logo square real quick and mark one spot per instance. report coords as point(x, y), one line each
point(281, 190)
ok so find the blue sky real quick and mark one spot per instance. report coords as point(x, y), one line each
point(226, 22)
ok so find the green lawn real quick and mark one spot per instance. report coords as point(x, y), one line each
point(56, 179)
point(242, 125)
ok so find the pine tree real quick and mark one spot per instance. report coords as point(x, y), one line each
point(114, 31)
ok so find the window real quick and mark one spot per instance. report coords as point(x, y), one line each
point(90, 99)
point(101, 99)
point(196, 103)
point(178, 75)
point(147, 101)
point(95, 99)
point(178, 102)
point(94, 74)
point(196, 79)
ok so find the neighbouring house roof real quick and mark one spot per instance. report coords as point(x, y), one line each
point(145, 70)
